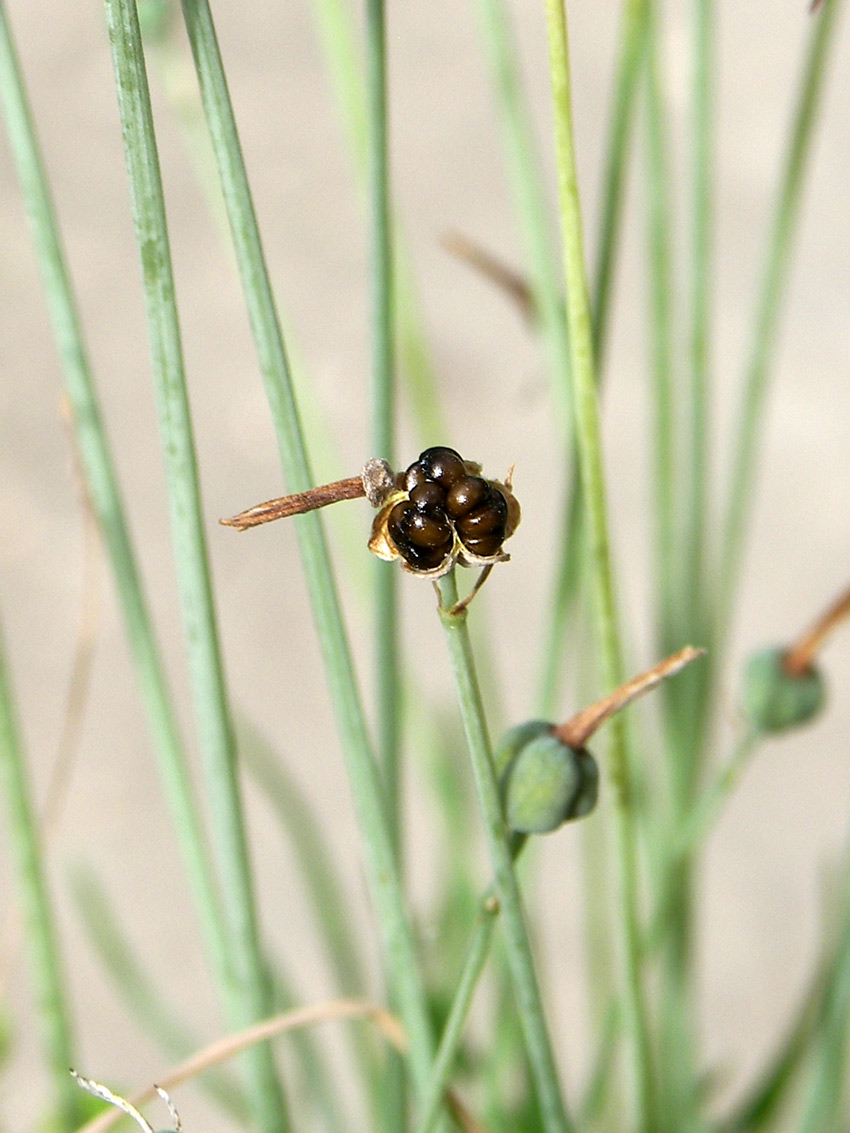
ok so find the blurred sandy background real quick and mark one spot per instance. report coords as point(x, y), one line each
point(759, 919)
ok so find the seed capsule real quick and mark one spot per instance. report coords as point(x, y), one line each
point(544, 782)
point(773, 699)
point(444, 512)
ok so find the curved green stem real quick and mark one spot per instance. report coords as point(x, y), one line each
point(51, 1003)
point(499, 845)
point(250, 994)
point(103, 490)
point(367, 789)
point(593, 486)
point(766, 324)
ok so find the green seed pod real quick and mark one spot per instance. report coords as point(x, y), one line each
point(544, 782)
point(774, 699)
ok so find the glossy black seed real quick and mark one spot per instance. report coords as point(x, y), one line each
point(443, 465)
point(485, 547)
point(397, 522)
point(425, 558)
point(466, 494)
point(488, 519)
point(414, 476)
point(427, 531)
point(428, 497)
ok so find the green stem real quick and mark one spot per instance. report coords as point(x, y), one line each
point(532, 205)
point(383, 401)
point(102, 486)
point(633, 37)
point(499, 844)
point(593, 485)
point(475, 958)
point(51, 1005)
point(661, 291)
point(249, 998)
point(695, 512)
point(750, 415)
point(379, 858)
point(385, 582)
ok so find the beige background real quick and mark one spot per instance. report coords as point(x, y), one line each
point(786, 827)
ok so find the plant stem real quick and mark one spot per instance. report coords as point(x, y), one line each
point(249, 998)
point(379, 859)
point(499, 844)
point(593, 485)
point(667, 566)
point(385, 582)
point(750, 415)
point(51, 1005)
point(102, 486)
point(383, 399)
point(630, 56)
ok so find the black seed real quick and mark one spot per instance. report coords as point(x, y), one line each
point(427, 531)
point(397, 522)
point(488, 519)
point(425, 558)
point(428, 497)
point(466, 494)
point(414, 476)
point(443, 465)
point(485, 547)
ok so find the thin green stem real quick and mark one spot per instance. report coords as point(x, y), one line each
point(385, 582)
point(671, 520)
point(51, 1002)
point(825, 1106)
point(661, 321)
point(695, 828)
point(695, 512)
point(524, 167)
point(499, 844)
point(249, 993)
point(383, 401)
point(630, 56)
point(750, 415)
point(102, 485)
point(475, 958)
point(593, 485)
point(633, 37)
point(339, 42)
point(379, 858)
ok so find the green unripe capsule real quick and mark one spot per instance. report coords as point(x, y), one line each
point(544, 782)
point(773, 699)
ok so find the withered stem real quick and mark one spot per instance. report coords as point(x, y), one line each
point(498, 272)
point(351, 488)
point(799, 657)
point(577, 731)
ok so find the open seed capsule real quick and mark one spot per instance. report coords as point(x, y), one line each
point(444, 512)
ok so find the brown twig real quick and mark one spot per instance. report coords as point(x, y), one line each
point(798, 658)
point(577, 731)
point(375, 482)
point(498, 272)
point(350, 489)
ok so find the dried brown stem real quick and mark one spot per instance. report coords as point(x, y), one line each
point(231, 1045)
point(798, 658)
point(284, 506)
point(577, 731)
point(498, 272)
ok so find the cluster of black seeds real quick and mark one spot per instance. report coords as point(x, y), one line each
point(444, 498)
